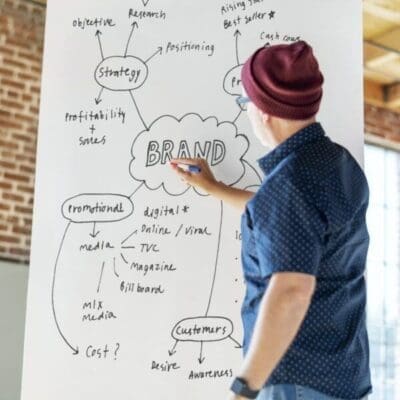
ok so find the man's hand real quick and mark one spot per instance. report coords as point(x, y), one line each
point(203, 180)
point(206, 181)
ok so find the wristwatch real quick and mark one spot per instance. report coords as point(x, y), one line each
point(240, 387)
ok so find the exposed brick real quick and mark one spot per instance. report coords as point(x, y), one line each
point(9, 124)
point(3, 227)
point(23, 7)
point(5, 207)
point(16, 177)
point(27, 77)
point(8, 155)
point(13, 63)
point(395, 137)
point(29, 149)
point(27, 97)
point(6, 185)
point(12, 104)
point(36, 69)
point(27, 169)
point(19, 251)
point(35, 89)
point(13, 219)
point(25, 189)
point(8, 144)
point(24, 117)
point(32, 129)
point(29, 56)
point(13, 197)
point(5, 114)
point(12, 95)
point(382, 122)
point(21, 230)
point(9, 238)
point(23, 210)
point(6, 72)
point(14, 84)
point(7, 50)
point(17, 42)
point(22, 138)
point(24, 157)
point(27, 221)
point(7, 164)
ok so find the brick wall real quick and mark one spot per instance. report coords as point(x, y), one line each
point(383, 123)
point(21, 45)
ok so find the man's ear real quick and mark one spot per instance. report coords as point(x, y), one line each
point(265, 117)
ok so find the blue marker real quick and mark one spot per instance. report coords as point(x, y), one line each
point(188, 167)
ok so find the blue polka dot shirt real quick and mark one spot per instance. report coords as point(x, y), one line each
point(309, 216)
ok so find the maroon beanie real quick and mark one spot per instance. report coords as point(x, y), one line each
point(284, 80)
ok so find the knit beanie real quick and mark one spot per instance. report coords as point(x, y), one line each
point(284, 80)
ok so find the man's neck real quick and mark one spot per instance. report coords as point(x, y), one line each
point(284, 129)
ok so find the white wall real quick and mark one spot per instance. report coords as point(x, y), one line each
point(13, 285)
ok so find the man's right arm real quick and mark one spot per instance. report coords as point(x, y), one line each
point(233, 196)
point(206, 181)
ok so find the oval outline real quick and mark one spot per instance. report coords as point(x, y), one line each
point(121, 90)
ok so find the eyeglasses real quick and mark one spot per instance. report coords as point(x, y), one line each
point(240, 100)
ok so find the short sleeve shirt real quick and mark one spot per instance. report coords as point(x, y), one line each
point(309, 216)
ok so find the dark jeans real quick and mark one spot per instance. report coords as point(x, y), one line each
point(294, 392)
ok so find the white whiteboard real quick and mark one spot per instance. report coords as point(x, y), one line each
point(135, 280)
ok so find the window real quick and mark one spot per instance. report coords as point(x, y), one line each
point(382, 167)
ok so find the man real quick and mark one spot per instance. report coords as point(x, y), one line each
point(304, 241)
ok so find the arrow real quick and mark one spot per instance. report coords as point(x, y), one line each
point(145, 2)
point(159, 50)
point(238, 345)
point(93, 234)
point(236, 34)
point(101, 275)
point(173, 351)
point(75, 350)
point(133, 157)
point(124, 259)
point(134, 24)
point(133, 233)
point(201, 359)
point(137, 109)
point(98, 33)
point(115, 271)
point(98, 99)
point(216, 258)
point(237, 116)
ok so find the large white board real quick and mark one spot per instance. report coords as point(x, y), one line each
point(135, 279)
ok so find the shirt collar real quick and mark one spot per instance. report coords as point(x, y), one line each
point(305, 135)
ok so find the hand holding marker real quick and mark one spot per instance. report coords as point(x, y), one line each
point(188, 167)
point(195, 172)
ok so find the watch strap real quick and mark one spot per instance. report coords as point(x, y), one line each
point(240, 387)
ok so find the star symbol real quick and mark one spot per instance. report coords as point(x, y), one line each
point(185, 209)
point(271, 14)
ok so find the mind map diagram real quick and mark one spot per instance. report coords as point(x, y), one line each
point(166, 137)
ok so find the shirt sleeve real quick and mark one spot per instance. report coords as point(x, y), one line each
point(289, 231)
